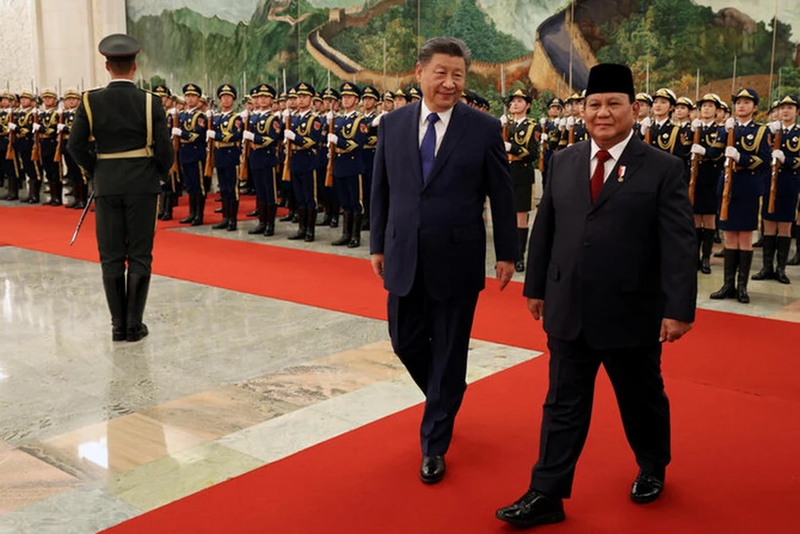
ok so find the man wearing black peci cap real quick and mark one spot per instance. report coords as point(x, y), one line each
point(133, 154)
point(612, 271)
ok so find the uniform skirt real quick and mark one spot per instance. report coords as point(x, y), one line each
point(785, 208)
point(742, 215)
point(705, 197)
point(522, 179)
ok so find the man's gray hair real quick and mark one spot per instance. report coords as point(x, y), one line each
point(450, 46)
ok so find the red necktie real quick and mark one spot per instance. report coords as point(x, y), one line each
point(599, 173)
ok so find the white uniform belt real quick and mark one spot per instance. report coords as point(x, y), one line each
point(145, 152)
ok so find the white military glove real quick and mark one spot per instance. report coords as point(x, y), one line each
point(775, 127)
point(244, 114)
point(697, 124)
point(177, 132)
point(333, 138)
point(698, 149)
point(732, 153)
point(60, 127)
point(172, 111)
point(287, 113)
point(289, 135)
point(329, 115)
point(209, 113)
point(542, 122)
point(503, 119)
point(249, 136)
point(570, 122)
point(561, 123)
point(12, 126)
point(730, 124)
point(36, 126)
point(508, 146)
point(544, 138)
point(211, 134)
point(645, 124)
point(377, 120)
point(779, 155)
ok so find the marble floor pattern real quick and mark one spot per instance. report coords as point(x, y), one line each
point(94, 433)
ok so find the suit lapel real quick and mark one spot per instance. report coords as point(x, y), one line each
point(631, 159)
point(455, 129)
point(582, 173)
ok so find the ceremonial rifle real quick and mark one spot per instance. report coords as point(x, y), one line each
point(176, 141)
point(11, 135)
point(287, 173)
point(57, 157)
point(542, 146)
point(243, 172)
point(80, 221)
point(331, 152)
point(37, 148)
point(726, 190)
point(773, 181)
point(209, 170)
point(695, 166)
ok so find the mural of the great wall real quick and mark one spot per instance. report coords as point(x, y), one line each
point(538, 44)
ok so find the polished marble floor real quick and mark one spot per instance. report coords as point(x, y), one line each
point(93, 432)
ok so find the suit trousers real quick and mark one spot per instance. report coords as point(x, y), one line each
point(635, 374)
point(431, 338)
point(126, 227)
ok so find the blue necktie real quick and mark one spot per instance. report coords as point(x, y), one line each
point(427, 150)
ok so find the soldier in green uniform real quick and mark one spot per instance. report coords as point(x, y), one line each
point(133, 154)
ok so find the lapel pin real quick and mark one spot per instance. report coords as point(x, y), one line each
point(621, 173)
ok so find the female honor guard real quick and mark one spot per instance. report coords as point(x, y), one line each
point(749, 154)
point(786, 172)
point(709, 153)
point(264, 134)
point(226, 134)
point(523, 150)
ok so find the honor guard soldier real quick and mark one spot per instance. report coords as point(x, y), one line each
point(568, 125)
point(264, 134)
point(317, 100)
point(191, 131)
point(388, 101)
point(786, 172)
point(400, 98)
point(325, 194)
point(749, 157)
point(47, 128)
point(709, 153)
point(224, 137)
point(350, 137)
point(369, 100)
point(75, 175)
point(24, 127)
point(645, 104)
point(10, 161)
point(288, 188)
point(523, 153)
point(414, 94)
point(665, 134)
point(330, 98)
point(133, 153)
point(548, 127)
point(170, 186)
point(304, 135)
point(681, 116)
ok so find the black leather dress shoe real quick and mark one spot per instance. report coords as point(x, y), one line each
point(136, 332)
point(533, 509)
point(646, 488)
point(432, 469)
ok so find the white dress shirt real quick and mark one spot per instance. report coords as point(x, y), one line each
point(440, 126)
point(616, 153)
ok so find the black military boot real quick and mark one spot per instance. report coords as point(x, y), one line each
point(201, 207)
point(233, 215)
point(13, 189)
point(189, 219)
point(167, 207)
point(262, 220)
point(326, 221)
point(223, 224)
point(138, 286)
point(728, 289)
point(522, 242)
point(81, 195)
point(36, 187)
point(347, 230)
point(256, 212)
point(162, 201)
point(117, 304)
point(301, 229)
point(269, 219)
point(311, 224)
point(705, 250)
point(784, 243)
point(699, 234)
point(796, 258)
point(55, 193)
point(355, 238)
point(767, 272)
point(745, 260)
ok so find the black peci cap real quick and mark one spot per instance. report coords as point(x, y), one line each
point(119, 47)
point(610, 78)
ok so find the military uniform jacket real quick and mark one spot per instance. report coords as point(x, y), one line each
point(789, 175)
point(322, 151)
point(669, 137)
point(116, 117)
point(368, 152)
point(5, 115)
point(308, 129)
point(48, 133)
point(752, 171)
point(709, 168)
point(351, 130)
point(23, 136)
point(228, 127)
point(267, 130)
point(580, 134)
point(553, 136)
point(193, 124)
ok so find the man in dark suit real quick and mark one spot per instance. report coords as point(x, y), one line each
point(435, 163)
point(133, 154)
point(612, 270)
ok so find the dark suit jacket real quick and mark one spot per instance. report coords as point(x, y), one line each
point(119, 125)
point(438, 227)
point(613, 269)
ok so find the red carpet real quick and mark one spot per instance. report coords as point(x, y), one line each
point(733, 386)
